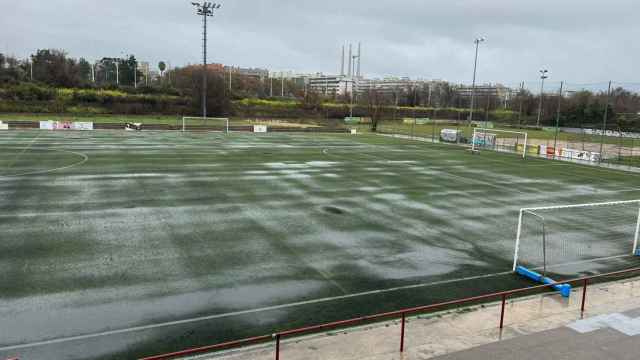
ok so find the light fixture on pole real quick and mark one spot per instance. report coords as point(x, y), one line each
point(543, 76)
point(205, 9)
point(473, 86)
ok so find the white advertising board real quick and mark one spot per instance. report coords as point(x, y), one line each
point(259, 128)
point(62, 125)
point(65, 125)
point(46, 125)
point(83, 126)
point(580, 155)
point(4, 126)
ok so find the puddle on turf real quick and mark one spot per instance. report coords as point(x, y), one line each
point(333, 210)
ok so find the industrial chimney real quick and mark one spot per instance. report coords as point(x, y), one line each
point(359, 53)
point(342, 62)
point(350, 71)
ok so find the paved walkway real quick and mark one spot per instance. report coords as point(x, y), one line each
point(539, 327)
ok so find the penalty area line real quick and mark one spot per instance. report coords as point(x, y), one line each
point(242, 312)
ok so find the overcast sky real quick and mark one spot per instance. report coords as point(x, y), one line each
point(580, 41)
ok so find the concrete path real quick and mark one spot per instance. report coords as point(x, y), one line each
point(539, 327)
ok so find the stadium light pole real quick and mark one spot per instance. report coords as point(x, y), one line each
point(543, 76)
point(117, 60)
point(473, 86)
point(205, 9)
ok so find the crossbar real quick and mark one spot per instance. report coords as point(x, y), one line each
point(556, 207)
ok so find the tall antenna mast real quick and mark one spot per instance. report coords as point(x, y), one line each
point(349, 72)
point(342, 62)
point(359, 53)
point(204, 9)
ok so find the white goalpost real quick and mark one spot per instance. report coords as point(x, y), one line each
point(205, 124)
point(489, 139)
point(574, 235)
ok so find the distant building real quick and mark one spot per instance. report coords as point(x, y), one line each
point(144, 68)
point(249, 72)
point(330, 85)
point(494, 90)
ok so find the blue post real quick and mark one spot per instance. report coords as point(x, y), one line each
point(564, 289)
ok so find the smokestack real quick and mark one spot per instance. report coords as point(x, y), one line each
point(342, 63)
point(359, 53)
point(349, 72)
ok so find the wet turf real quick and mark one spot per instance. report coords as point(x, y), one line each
point(112, 230)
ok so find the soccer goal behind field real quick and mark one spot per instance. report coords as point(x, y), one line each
point(576, 238)
point(500, 140)
point(205, 124)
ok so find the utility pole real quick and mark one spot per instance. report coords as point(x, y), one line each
point(473, 86)
point(520, 96)
point(543, 76)
point(282, 80)
point(271, 91)
point(555, 141)
point(117, 72)
point(604, 122)
point(205, 9)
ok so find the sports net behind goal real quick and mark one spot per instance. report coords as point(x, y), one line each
point(573, 239)
point(205, 124)
point(500, 140)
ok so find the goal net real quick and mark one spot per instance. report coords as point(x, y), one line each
point(205, 124)
point(500, 140)
point(573, 239)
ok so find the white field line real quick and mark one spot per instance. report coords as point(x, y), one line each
point(84, 157)
point(242, 312)
point(585, 261)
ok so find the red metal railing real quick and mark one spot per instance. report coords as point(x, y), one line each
point(402, 314)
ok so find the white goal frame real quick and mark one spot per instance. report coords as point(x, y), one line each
point(610, 203)
point(486, 130)
point(185, 118)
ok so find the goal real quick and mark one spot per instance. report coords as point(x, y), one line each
point(205, 124)
point(500, 140)
point(575, 239)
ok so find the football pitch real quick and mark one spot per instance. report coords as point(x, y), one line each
point(125, 244)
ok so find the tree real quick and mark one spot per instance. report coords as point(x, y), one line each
point(188, 80)
point(162, 67)
point(85, 71)
point(128, 70)
point(53, 67)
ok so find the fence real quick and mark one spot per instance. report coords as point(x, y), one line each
point(399, 314)
point(588, 145)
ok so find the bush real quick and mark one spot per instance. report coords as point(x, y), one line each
point(28, 92)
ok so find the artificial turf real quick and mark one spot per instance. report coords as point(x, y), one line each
point(111, 230)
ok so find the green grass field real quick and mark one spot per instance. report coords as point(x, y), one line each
point(201, 238)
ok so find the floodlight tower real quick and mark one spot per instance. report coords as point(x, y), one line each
point(205, 9)
point(473, 86)
point(543, 76)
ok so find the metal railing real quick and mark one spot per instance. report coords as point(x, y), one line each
point(399, 314)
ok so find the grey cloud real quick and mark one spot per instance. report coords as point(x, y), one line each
point(580, 41)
